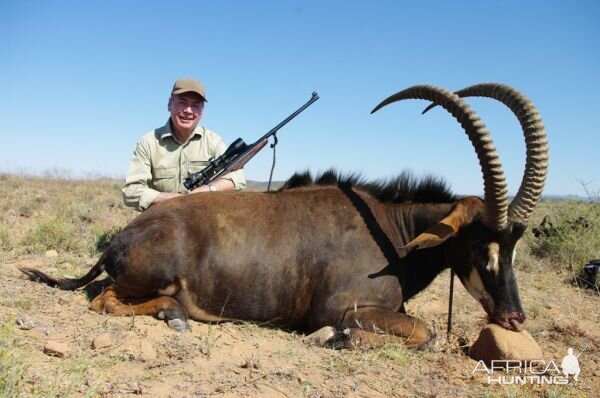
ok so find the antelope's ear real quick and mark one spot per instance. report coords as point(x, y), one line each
point(463, 213)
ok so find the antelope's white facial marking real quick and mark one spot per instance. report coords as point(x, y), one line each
point(475, 287)
point(514, 253)
point(493, 258)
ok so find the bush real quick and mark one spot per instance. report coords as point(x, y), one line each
point(52, 233)
point(5, 241)
point(569, 234)
point(12, 366)
point(81, 212)
point(104, 237)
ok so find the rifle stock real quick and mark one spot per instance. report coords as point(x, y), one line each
point(245, 157)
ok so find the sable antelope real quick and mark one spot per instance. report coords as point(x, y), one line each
point(338, 255)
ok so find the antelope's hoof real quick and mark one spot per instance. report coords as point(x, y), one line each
point(179, 325)
point(328, 336)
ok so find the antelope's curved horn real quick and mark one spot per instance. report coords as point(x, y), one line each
point(495, 189)
point(536, 142)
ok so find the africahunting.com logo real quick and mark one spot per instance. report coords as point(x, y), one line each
point(537, 371)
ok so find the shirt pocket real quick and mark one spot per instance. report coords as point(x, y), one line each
point(164, 179)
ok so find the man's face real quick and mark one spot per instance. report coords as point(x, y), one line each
point(186, 111)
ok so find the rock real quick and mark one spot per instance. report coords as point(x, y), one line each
point(51, 253)
point(147, 351)
point(56, 349)
point(496, 343)
point(102, 341)
point(25, 323)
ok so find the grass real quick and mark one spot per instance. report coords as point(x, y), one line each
point(534, 311)
point(5, 237)
point(394, 353)
point(78, 217)
point(573, 237)
point(353, 361)
point(65, 377)
point(343, 363)
point(52, 233)
point(22, 304)
point(103, 237)
point(86, 212)
point(12, 364)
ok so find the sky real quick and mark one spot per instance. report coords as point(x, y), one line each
point(83, 81)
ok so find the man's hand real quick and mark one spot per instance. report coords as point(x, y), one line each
point(220, 184)
point(202, 188)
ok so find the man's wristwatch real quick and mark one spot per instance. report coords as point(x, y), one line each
point(212, 188)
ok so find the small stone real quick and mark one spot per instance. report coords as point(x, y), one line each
point(147, 351)
point(25, 323)
point(51, 253)
point(496, 343)
point(63, 301)
point(56, 349)
point(102, 341)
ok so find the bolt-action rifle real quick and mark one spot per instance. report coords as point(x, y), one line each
point(238, 154)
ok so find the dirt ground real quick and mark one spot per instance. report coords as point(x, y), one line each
point(63, 349)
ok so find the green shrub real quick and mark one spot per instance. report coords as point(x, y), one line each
point(12, 366)
point(81, 212)
point(5, 237)
point(25, 211)
point(571, 236)
point(52, 233)
point(104, 237)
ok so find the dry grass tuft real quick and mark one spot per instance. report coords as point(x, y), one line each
point(12, 364)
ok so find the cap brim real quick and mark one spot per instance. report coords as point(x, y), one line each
point(183, 91)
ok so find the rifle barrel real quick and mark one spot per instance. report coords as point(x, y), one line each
point(312, 99)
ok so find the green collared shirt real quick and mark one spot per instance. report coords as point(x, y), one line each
point(161, 164)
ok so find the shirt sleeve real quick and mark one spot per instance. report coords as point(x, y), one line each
point(238, 178)
point(136, 191)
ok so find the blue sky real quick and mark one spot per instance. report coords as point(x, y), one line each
point(81, 82)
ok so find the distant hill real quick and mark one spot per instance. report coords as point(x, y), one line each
point(565, 197)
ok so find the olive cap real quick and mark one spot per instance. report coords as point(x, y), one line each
point(188, 86)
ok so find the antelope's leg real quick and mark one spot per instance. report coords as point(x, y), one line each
point(114, 302)
point(375, 326)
